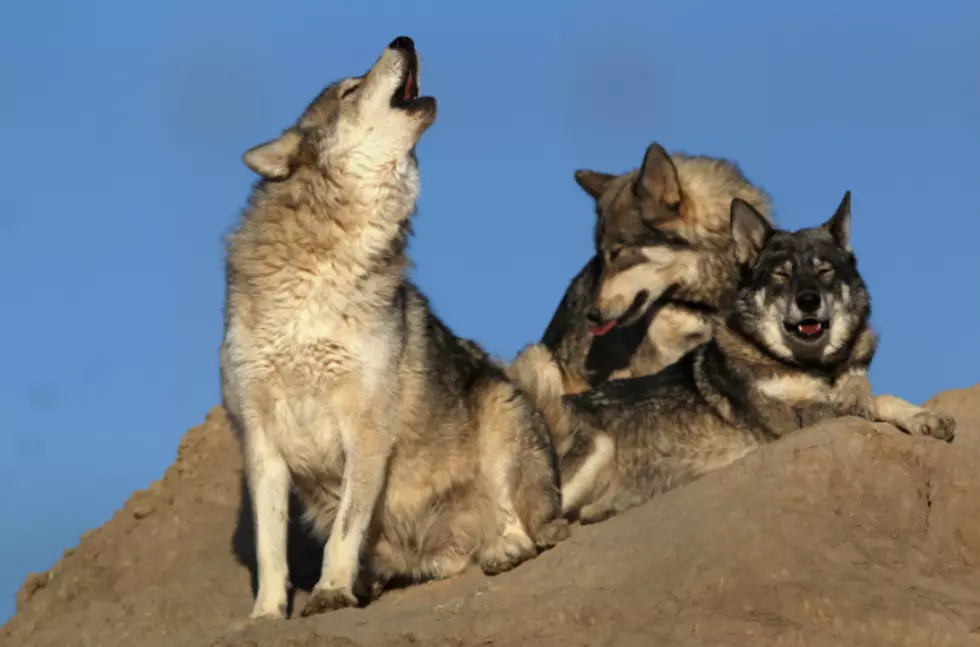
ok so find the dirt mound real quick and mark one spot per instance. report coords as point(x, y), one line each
point(844, 534)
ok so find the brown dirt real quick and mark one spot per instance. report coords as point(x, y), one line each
point(844, 534)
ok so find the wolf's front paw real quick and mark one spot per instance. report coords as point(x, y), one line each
point(268, 608)
point(323, 600)
point(934, 424)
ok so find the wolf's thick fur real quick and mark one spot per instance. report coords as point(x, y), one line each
point(410, 448)
point(794, 350)
point(663, 266)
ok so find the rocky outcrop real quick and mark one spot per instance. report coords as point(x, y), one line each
point(844, 534)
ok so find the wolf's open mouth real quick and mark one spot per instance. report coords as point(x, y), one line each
point(809, 329)
point(601, 329)
point(408, 91)
point(627, 318)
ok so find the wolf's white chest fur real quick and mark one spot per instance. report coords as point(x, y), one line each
point(318, 361)
point(801, 390)
point(795, 389)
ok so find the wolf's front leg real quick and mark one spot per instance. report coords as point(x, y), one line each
point(854, 398)
point(367, 448)
point(914, 420)
point(268, 479)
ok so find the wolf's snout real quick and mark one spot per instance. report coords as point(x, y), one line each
point(594, 315)
point(403, 43)
point(808, 302)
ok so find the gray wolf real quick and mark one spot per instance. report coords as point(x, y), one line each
point(409, 447)
point(663, 267)
point(794, 350)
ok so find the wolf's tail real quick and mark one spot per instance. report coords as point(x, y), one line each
point(538, 374)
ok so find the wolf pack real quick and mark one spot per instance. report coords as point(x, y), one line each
point(698, 332)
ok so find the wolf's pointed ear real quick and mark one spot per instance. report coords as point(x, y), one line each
point(839, 225)
point(274, 159)
point(593, 182)
point(750, 230)
point(658, 177)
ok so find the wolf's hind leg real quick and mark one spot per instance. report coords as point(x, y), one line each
point(583, 467)
point(520, 479)
point(597, 511)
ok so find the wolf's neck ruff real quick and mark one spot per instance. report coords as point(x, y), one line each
point(715, 289)
point(336, 218)
point(752, 353)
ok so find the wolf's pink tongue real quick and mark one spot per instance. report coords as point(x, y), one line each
point(603, 329)
point(811, 329)
point(409, 81)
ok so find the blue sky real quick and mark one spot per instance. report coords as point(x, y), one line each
point(122, 125)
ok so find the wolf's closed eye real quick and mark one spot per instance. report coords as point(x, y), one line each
point(349, 91)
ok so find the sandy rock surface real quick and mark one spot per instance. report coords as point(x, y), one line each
point(844, 534)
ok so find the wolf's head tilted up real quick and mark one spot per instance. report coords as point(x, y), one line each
point(801, 298)
point(361, 128)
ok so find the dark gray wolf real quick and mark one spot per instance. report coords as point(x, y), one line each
point(663, 267)
point(794, 350)
point(410, 448)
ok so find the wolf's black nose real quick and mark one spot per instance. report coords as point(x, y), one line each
point(808, 301)
point(403, 43)
point(594, 316)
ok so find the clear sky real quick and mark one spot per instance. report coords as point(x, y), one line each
point(122, 125)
